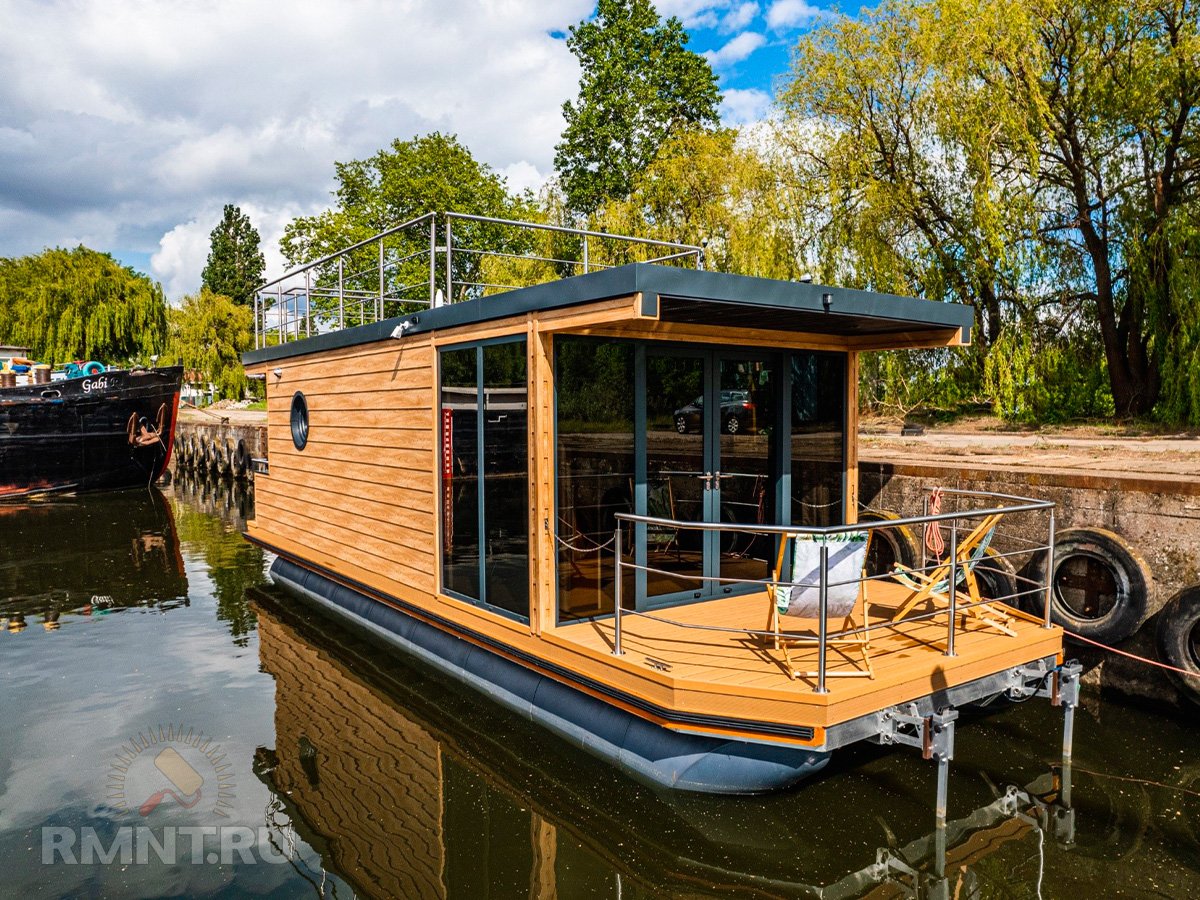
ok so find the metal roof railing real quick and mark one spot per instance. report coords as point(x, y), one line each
point(436, 259)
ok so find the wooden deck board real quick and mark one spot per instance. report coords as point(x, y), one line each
point(909, 655)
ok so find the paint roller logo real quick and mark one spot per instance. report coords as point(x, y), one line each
point(171, 768)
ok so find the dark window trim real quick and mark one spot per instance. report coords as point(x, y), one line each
point(481, 512)
point(298, 419)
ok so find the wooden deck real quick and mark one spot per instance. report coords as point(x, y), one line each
point(908, 659)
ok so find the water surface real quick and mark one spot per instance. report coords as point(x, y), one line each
point(138, 625)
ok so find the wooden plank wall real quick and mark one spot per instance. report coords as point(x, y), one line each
point(362, 492)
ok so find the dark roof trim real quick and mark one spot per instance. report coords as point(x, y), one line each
point(652, 281)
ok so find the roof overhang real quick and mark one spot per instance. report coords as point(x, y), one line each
point(865, 319)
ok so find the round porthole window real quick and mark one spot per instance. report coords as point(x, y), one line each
point(299, 420)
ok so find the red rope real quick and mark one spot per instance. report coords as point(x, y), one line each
point(933, 530)
point(1149, 662)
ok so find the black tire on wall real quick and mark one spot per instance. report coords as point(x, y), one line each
point(1100, 585)
point(1179, 639)
point(241, 460)
point(997, 578)
point(898, 544)
point(225, 458)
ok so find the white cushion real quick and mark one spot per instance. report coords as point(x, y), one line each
point(847, 555)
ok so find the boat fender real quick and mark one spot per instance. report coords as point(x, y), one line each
point(889, 546)
point(225, 457)
point(241, 460)
point(92, 368)
point(1178, 640)
point(210, 456)
point(1100, 586)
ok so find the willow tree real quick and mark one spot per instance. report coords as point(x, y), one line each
point(1039, 160)
point(80, 304)
point(208, 334)
point(711, 187)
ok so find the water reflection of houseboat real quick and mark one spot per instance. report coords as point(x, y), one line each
point(597, 569)
point(116, 550)
point(409, 789)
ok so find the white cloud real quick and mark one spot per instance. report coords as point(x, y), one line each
point(127, 125)
point(183, 251)
point(693, 13)
point(522, 176)
point(737, 49)
point(739, 17)
point(742, 107)
point(783, 14)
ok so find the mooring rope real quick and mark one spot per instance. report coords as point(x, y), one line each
point(1149, 662)
point(933, 530)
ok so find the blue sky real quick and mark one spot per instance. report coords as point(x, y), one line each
point(127, 126)
point(748, 43)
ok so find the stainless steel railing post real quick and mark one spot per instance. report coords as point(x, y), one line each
point(308, 303)
point(953, 587)
point(449, 262)
point(585, 254)
point(432, 259)
point(341, 295)
point(617, 591)
point(279, 312)
point(379, 312)
point(1049, 573)
point(823, 627)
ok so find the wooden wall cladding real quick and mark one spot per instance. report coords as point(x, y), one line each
point(360, 493)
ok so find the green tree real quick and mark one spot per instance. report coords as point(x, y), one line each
point(430, 173)
point(80, 304)
point(235, 264)
point(713, 188)
point(207, 337)
point(1038, 160)
point(639, 85)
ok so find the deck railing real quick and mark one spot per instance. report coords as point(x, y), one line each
point(1006, 506)
point(436, 259)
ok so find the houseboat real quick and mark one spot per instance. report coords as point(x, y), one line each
point(91, 428)
point(623, 501)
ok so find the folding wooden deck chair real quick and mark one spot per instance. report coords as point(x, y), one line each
point(934, 586)
point(797, 600)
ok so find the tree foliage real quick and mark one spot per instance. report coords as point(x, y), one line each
point(235, 264)
point(207, 336)
point(1039, 160)
point(639, 86)
point(80, 304)
point(430, 173)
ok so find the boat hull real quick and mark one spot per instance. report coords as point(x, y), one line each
point(649, 752)
point(74, 435)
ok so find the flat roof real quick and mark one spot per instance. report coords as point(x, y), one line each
point(674, 295)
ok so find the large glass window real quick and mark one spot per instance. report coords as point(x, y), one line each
point(595, 466)
point(484, 440)
point(818, 436)
point(506, 477)
point(460, 472)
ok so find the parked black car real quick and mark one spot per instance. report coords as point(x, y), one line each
point(737, 413)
